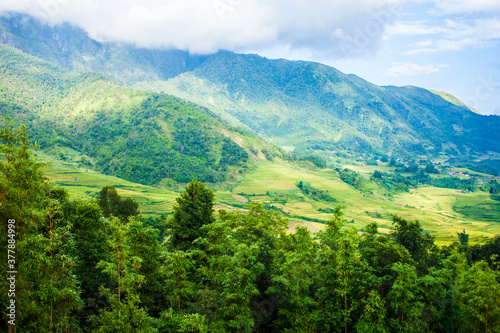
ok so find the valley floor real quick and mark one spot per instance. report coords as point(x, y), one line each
point(442, 212)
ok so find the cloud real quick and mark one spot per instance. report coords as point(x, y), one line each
point(204, 26)
point(444, 7)
point(414, 28)
point(411, 69)
point(458, 35)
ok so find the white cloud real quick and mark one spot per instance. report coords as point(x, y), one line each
point(413, 28)
point(202, 26)
point(443, 7)
point(411, 69)
point(459, 35)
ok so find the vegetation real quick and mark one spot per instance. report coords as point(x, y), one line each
point(87, 260)
point(140, 137)
point(314, 193)
point(241, 272)
point(289, 101)
point(352, 178)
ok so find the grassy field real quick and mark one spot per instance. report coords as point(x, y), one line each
point(442, 212)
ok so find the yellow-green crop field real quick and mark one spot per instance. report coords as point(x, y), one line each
point(442, 212)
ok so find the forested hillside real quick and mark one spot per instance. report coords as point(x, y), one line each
point(98, 266)
point(313, 106)
point(138, 136)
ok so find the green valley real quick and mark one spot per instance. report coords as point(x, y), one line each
point(98, 132)
point(442, 212)
point(151, 190)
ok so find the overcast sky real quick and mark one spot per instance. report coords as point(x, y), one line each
point(446, 45)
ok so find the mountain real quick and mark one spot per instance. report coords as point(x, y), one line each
point(298, 105)
point(139, 136)
point(71, 48)
point(309, 105)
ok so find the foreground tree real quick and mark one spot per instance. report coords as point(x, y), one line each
point(124, 313)
point(292, 283)
point(91, 245)
point(479, 298)
point(45, 284)
point(194, 210)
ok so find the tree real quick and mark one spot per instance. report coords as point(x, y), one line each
point(404, 300)
point(194, 210)
point(373, 319)
point(430, 168)
point(264, 230)
point(123, 313)
point(341, 276)
point(144, 245)
point(113, 205)
point(380, 252)
point(293, 281)
point(49, 265)
point(463, 238)
point(414, 239)
point(91, 245)
point(230, 274)
point(479, 298)
point(23, 199)
point(23, 186)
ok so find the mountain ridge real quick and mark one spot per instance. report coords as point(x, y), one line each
point(298, 105)
point(71, 48)
point(329, 106)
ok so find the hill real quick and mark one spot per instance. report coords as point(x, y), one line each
point(308, 105)
point(138, 136)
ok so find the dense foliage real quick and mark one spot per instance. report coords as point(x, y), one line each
point(79, 271)
point(399, 183)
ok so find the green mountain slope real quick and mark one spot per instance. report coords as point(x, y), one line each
point(310, 105)
point(137, 136)
point(297, 104)
point(71, 48)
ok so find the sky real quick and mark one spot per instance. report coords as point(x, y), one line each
point(444, 45)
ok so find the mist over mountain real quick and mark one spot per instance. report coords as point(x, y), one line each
point(298, 105)
point(71, 48)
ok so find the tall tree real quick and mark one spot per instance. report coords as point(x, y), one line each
point(405, 301)
point(293, 283)
point(91, 238)
point(479, 298)
point(342, 278)
point(230, 274)
point(194, 210)
point(412, 236)
point(124, 313)
point(144, 245)
point(49, 265)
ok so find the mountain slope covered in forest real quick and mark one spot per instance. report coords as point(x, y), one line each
point(138, 136)
point(310, 105)
point(297, 104)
